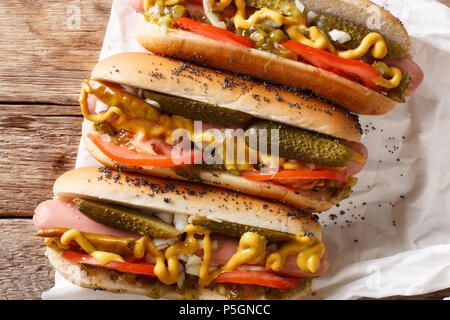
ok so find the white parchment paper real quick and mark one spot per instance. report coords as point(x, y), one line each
point(392, 237)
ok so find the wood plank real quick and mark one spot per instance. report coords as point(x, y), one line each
point(24, 270)
point(37, 144)
point(44, 53)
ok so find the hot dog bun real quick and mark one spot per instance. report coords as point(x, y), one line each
point(259, 64)
point(361, 12)
point(184, 198)
point(100, 279)
point(312, 201)
point(262, 100)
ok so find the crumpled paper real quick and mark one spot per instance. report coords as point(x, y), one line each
point(392, 236)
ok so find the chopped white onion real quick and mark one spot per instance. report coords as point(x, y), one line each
point(153, 103)
point(339, 36)
point(271, 23)
point(257, 37)
point(183, 257)
point(129, 89)
point(100, 106)
point(180, 222)
point(300, 6)
point(164, 216)
point(105, 137)
point(181, 278)
point(251, 268)
point(193, 265)
point(310, 16)
point(215, 244)
point(164, 243)
point(211, 16)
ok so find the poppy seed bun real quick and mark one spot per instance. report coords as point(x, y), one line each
point(100, 279)
point(262, 65)
point(312, 201)
point(231, 91)
point(179, 197)
point(364, 13)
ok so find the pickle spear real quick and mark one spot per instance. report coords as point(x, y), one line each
point(302, 145)
point(125, 218)
point(287, 8)
point(196, 110)
point(237, 230)
point(357, 34)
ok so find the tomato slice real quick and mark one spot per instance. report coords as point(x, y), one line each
point(130, 267)
point(333, 63)
point(260, 278)
point(296, 174)
point(211, 32)
point(126, 156)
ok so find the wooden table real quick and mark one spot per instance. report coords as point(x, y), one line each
point(45, 52)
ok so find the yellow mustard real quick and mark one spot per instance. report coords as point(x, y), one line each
point(77, 236)
point(372, 40)
point(101, 256)
point(317, 39)
point(260, 15)
point(170, 273)
point(309, 251)
point(357, 157)
point(297, 30)
point(104, 257)
point(395, 75)
point(146, 121)
point(251, 250)
point(133, 114)
point(124, 104)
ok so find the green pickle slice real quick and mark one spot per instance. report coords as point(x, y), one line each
point(237, 230)
point(343, 192)
point(399, 93)
point(165, 15)
point(357, 32)
point(302, 145)
point(287, 8)
point(196, 110)
point(126, 218)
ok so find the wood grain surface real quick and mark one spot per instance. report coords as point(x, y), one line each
point(45, 51)
point(24, 269)
point(46, 48)
point(42, 143)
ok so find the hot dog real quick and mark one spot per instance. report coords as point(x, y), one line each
point(333, 48)
point(134, 103)
point(130, 233)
